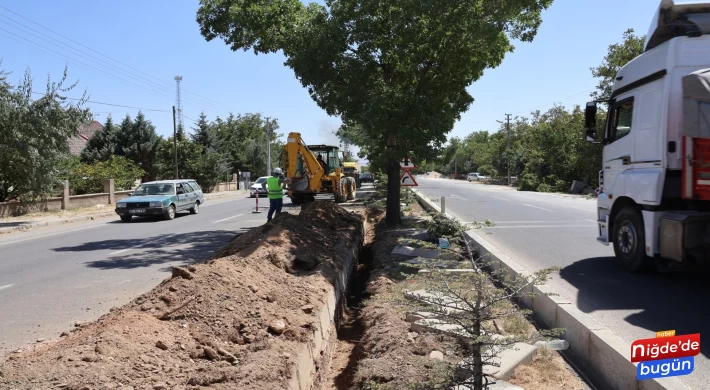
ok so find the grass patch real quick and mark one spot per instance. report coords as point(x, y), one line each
point(548, 371)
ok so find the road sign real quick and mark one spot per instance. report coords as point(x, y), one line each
point(407, 180)
point(408, 167)
point(407, 162)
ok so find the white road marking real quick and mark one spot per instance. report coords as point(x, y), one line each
point(590, 220)
point(117, 252)
point(227, 219)
point(535, 226)
point(49, 235)
point(541, 208)
point(498, 197)
point(457, 197)
point(501, 222)
point(6, 286)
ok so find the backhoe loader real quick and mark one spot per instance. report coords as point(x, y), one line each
point(309, 177)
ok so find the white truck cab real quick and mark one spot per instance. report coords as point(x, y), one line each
point(654, 197)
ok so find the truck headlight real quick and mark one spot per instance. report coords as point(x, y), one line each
point(121, 205)
point(155, 204)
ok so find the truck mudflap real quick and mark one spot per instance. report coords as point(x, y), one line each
point(684, 236)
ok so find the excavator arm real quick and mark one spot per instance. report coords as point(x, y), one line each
point(311, 167)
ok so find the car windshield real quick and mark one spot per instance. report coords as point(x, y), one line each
point(260, 180)
point(154, 189)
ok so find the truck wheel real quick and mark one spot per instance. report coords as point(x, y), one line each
point(630, 240)
point(340, 198)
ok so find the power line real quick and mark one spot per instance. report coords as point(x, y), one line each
point(105, 104)
point(78, 52)
point(66, 57)
point(86, 65)
point(206, 100)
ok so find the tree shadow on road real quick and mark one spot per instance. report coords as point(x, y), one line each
point(668, 301)
point(177, 249)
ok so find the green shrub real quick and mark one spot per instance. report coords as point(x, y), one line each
point(89, 178)
point(550, 180)
point(562, 186)
point(529, 182)
point(543, 188)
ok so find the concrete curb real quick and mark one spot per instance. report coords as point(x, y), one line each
point(599, 353)
point(82, 218)
point(309, 358)
point(33, 225)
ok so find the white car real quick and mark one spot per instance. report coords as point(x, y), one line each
point(256, 188)
point(475, 176)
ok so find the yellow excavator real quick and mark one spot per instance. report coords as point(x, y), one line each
point(310, 177)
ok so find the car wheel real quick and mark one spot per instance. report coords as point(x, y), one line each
point(170, 215)
point(195, 209)
point(630, 240)
point(126, 218)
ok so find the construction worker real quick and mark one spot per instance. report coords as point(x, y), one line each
point(273, 187)
point(322, 163)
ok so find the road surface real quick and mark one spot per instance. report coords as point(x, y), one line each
point(51, 278)
point(543, 230)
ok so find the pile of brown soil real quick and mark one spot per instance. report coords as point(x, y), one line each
point(233, 323)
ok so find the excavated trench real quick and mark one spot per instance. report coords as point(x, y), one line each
point(347, 351)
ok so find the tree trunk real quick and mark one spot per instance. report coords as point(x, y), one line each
point(477, 361)
point(393, 199)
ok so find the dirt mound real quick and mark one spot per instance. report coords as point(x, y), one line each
point(233, 323)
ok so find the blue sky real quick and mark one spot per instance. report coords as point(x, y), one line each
point(160, 39)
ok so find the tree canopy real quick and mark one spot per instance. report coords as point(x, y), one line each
point(619, 54)
point(34, 135)
point(396, 71)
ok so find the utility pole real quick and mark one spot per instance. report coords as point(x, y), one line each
point(175, 143)
point(268, 146)
point(507, 126)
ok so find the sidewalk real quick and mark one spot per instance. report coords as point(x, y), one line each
point(43, 219)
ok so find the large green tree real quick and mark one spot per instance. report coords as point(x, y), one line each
point(34, 135)
point(398, 69)
point(204, 134)
point(138, 141)
point(619, 54)
point(102, 145)
point(242, 141)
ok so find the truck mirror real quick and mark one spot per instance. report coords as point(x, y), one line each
point(590, 121)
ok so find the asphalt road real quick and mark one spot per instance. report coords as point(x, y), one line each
point(543, 230)
point(51, 278)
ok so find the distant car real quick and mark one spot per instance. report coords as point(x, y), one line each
point(161, 198)
point(256, 189)
point(475, 176)
point(366, 178)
